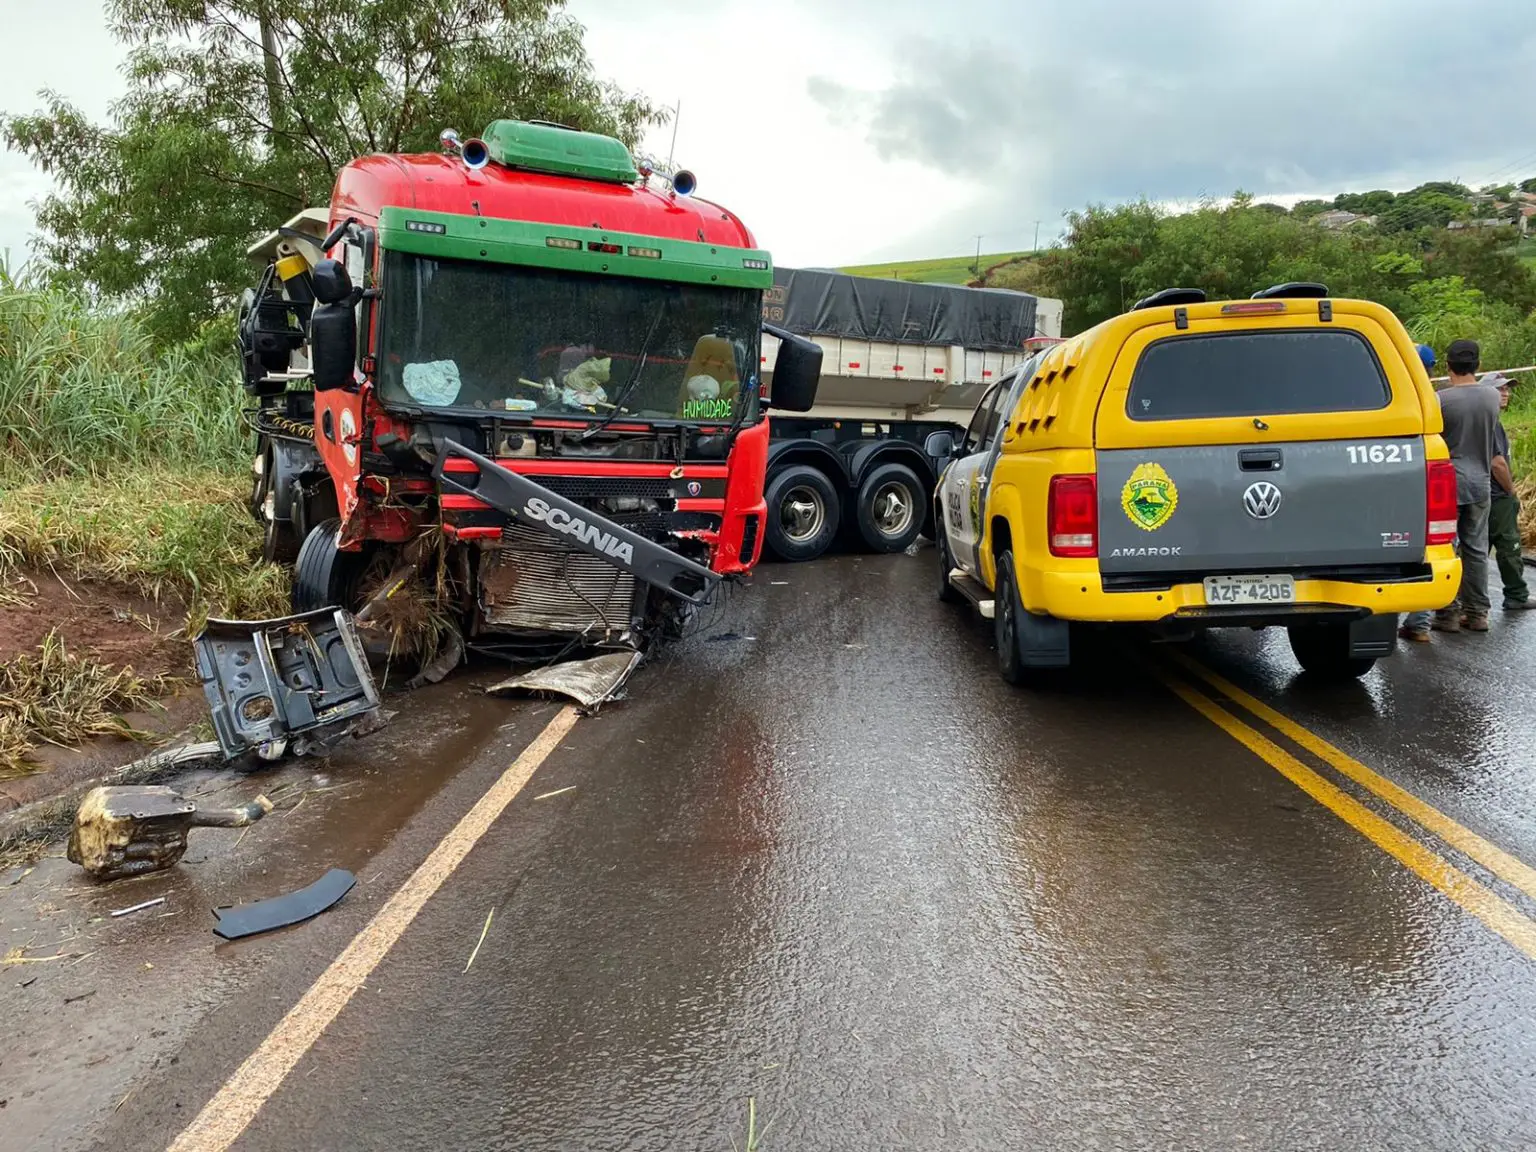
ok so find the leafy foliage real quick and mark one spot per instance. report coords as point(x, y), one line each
point(240, 112)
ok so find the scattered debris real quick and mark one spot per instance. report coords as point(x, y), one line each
point(129, 830)
point(727, 637)
point(235, 923)
point(158, 900)
point(589, 682)
point(777, 583)
point(82, 996)
point(28, 982)
point(16, 875)
point(556, 792)
point(481, 941)
point(299, 681)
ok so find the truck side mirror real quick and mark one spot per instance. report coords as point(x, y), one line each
point(333, 283)
point(796, 372)
point(332, 345)
point(940, 445)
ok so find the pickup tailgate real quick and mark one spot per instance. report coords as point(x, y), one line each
point(1260, 445)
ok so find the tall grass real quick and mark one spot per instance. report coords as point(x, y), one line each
point(122, 462)
point(82, 388)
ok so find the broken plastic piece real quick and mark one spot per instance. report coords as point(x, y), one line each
point(269, 680)
point(279, 912)
point(128, 830)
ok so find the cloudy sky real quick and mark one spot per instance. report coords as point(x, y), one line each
point(851, 130)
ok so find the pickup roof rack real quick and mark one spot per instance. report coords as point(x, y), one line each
point(1170, 296)
point(1294, 290)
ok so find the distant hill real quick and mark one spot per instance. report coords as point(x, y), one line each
point(945, 270)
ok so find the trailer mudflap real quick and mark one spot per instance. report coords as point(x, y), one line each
point(520, 498)
point(269, 681)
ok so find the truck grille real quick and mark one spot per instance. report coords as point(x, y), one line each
point(535, 582)
point(606, 488)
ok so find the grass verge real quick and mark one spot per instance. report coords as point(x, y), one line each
point(153, 529)
point(53, 696)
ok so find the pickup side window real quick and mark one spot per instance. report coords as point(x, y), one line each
point(983, 422)
point(1272, 373)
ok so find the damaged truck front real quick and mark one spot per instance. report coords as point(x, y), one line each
point(509, 396)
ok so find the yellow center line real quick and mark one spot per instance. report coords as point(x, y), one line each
point(1432, 868)
point(235, 1105)
point(1506, 867)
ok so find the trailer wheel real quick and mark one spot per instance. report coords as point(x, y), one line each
point(803, 513)
point(324, 574)
point(890, 508)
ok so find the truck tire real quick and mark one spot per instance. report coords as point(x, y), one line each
point(1322, 650)
point(890, 508)
point(803, 513)
point(323, 576)
point(948, 593)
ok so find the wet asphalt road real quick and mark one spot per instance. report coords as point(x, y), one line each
point(829, 862)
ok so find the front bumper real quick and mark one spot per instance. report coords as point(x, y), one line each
point(1080, 595)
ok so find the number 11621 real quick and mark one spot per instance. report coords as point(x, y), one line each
point(1381, 453)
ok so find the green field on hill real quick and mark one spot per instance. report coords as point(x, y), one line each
point(946, 270)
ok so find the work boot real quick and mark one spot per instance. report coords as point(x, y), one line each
point(1445, 622)
point(1475, 621)
point(1513, 605)
point(1417, 635)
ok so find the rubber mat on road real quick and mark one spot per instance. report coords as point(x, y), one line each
point(588, 682)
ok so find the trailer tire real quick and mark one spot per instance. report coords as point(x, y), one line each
point(803, 513)
point(324, 574)
point(890, 508)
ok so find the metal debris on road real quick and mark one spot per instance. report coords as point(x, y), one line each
point(481, 941)
point(588, 682)
point(131, 829)
point(158, 900)
point(244, 920)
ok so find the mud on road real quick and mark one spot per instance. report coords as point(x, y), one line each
point(825, 861)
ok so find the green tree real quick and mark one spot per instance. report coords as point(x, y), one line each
point(1485, 259)
point(1365, 203)
point(1094, 275)
point(241, 112)
point(1307, 209)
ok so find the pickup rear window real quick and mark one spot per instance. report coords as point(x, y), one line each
point(1257, 374)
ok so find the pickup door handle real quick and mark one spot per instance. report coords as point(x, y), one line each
point(1259, 460)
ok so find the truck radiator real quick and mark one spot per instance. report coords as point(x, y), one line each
point(533, 582)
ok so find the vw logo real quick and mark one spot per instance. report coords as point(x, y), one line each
point(1262, 500)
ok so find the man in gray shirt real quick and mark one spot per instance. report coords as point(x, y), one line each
point(1471, 412)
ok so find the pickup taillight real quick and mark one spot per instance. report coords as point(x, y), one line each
point(1440, 502)
point(1072, 516)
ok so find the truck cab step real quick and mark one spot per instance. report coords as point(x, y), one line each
point(974, 591)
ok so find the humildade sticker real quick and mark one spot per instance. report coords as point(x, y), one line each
point(1149, 497)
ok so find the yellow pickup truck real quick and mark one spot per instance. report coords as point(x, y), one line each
point(1195, 464)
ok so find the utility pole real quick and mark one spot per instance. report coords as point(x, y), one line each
point(677, 114)
point(1037, 236)
point(976, 267)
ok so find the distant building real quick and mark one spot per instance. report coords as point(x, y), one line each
point(1522, 224)
point(1340, 219)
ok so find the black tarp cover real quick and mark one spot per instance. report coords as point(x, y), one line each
point(814, 303)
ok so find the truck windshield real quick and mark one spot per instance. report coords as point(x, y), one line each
point(462, 334)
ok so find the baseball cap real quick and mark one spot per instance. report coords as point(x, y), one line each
point(1498, 380)
point(1463, 351)
point(1427, 355)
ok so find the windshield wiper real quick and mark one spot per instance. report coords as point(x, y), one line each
point(634, 378)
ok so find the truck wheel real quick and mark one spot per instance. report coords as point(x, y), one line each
point(324, 574)
point(890, 508)
point(948, 593)
point(803, 513)
point(1323, 651)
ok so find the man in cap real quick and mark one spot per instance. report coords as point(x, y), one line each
point(1504, 511)
point(1471, 416)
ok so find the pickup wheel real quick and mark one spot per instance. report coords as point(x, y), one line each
point(948, 593)
point(1322, 650)
point(1006, 610)
point(890, 508)
point(803, 513)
